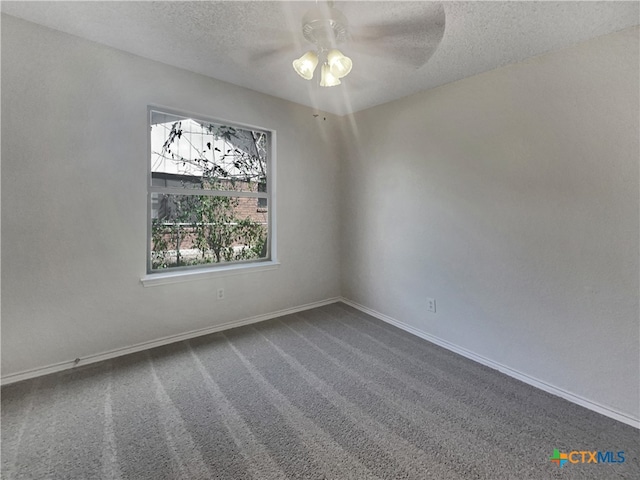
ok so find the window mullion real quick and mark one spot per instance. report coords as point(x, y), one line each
point(210, 193)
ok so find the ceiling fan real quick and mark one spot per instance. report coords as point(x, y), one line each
point(408, 34)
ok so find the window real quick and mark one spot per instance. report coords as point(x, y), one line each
point(209, 193)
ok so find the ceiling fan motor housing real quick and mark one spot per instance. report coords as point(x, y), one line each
point(324, 27)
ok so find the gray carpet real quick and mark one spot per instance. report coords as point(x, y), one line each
point(326, 393)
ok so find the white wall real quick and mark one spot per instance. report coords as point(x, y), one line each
point(511, 198)
point(74, 166)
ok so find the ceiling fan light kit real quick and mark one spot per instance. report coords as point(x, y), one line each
point(324, 28)
point(328, 79)
point(306, 64)
point(339, 64)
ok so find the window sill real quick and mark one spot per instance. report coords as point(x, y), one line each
point(153, 279)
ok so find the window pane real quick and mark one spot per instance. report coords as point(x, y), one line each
point(191, 153)
point(197, 229)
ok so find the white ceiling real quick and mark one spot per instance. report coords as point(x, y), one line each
point(228, 40)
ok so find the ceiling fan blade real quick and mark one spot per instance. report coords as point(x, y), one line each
point(405, 29)
point(414, 56)
point(272, 54)
point(410, 40)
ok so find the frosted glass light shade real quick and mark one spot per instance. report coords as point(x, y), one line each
point(339, 64)
point(328, 79)
point(306, 65)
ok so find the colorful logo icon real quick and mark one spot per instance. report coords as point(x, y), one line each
point(586, 456)
point(559, 458)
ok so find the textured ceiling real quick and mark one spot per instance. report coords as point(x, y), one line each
point(252, 44)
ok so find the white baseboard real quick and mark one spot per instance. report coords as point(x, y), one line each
point(37, 372)
point(523, 377)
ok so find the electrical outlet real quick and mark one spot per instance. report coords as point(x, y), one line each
point(431, 305)
point(220, 293)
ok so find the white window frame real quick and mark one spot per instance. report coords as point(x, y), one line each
point(195, 272)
